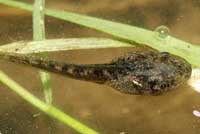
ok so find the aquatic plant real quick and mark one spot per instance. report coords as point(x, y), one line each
point(158, 39)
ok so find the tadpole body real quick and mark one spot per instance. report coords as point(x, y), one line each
point(139, 72)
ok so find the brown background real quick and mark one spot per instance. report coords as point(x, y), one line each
point(99, 106)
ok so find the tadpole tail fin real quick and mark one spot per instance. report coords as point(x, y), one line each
point(98, 73)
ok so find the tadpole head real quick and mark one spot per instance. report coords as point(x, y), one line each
point(182, 67)
point(151, 73)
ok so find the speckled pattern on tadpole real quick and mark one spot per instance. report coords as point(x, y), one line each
point(139, 72)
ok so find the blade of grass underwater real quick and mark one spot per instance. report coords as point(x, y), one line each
point(38, 35)
point(139, 35)
point(53, 45)
point(38, 20)
point(48, 109)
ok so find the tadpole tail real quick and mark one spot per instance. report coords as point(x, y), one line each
point(98, 73)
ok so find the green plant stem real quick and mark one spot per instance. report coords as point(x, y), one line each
point(57, 45)
point(38, 35)
point(48, 109)
point(45, 107)
point(38, 20)
point(46, 83)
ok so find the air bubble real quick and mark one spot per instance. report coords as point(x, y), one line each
point(162, 31)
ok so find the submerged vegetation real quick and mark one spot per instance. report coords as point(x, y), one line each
point(158, 39)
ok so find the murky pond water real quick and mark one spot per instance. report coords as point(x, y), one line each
point(99, 106)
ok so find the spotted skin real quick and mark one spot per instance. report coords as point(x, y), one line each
point(139, 72)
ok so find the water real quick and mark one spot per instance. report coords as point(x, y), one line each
point(99, 106)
